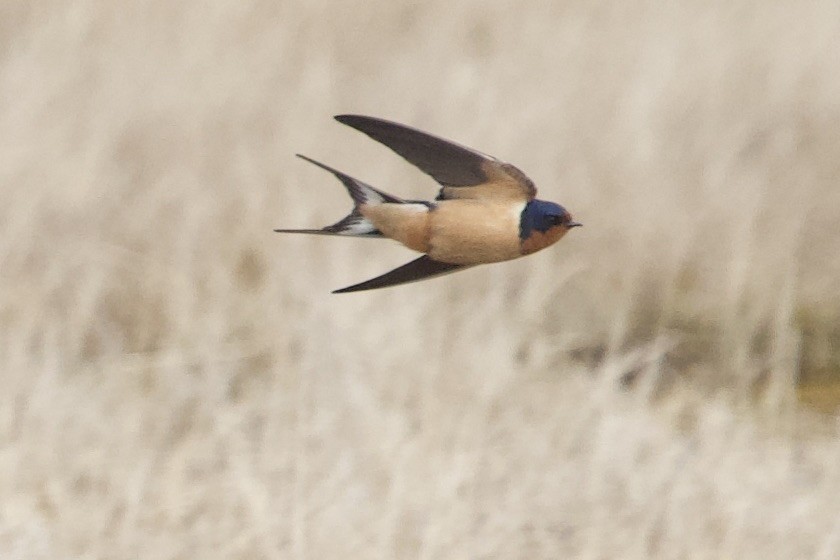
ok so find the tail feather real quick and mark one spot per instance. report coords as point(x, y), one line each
point(360, 192)
point(354, 224)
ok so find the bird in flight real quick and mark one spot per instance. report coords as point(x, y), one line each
point(485, 212)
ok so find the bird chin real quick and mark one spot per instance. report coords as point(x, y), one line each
point(540, 240)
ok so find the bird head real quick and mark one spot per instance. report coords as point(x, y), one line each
point(543, 223)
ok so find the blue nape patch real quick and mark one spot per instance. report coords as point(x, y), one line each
point(539, 215)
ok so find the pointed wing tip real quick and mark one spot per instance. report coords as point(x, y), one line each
point(361, 287)
point(355, 121)
point(414, 271)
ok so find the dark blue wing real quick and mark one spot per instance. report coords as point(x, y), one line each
point(419, 269)
point(463, 172)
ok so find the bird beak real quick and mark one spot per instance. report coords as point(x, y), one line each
point(570, 225)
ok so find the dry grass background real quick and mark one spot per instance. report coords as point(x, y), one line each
point(177, 381)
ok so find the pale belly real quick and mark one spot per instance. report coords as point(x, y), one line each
point(474, 231)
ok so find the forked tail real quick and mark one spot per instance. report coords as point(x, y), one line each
point(354, 224)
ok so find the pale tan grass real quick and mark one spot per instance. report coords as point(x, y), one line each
point(177, 381)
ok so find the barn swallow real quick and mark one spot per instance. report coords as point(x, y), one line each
point(485, 212)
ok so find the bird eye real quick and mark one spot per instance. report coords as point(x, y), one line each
point(556, 220)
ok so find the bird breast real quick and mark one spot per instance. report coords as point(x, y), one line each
point(475, 231)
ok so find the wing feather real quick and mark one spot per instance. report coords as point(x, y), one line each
point(418, 269)
point(463, 172)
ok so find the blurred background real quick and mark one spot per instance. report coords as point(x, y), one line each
point(178, 382)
